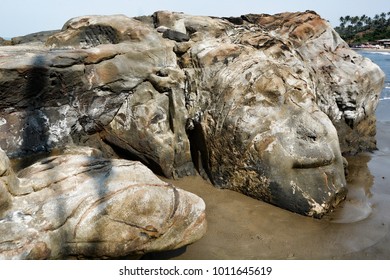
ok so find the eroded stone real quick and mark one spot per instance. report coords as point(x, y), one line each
point(85, 206)
point(265, 105)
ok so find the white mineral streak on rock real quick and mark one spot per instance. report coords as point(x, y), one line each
point(316, 208)
point(2, 121)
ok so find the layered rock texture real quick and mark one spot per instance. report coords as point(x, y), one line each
point(264, 105)
point(81, 205)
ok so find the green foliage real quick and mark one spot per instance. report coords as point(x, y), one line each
point(357, 30)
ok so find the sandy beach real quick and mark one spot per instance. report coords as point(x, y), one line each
point(243, 228)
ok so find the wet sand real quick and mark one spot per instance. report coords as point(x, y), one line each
point(243, 228)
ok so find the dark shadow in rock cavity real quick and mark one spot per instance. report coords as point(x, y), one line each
point(133, 156)
point(199, 153)
point(35, 128)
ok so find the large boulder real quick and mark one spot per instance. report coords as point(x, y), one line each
point(263, 133)
point(264, 105)
point(80, 205)
point(347, 85)
point(50, 94)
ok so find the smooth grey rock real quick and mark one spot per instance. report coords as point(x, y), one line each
point(33, 37)
point(80, 205)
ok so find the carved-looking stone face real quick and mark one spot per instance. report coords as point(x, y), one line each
point(267, 136)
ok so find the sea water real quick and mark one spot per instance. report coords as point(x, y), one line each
point(382, 59)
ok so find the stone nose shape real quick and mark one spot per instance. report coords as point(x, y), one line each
point(311, 150)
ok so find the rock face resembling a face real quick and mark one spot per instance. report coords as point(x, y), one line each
point(266, 136)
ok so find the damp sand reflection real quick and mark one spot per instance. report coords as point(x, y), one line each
point(243, 228)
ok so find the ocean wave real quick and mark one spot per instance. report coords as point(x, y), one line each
point(383, 53)
point(384, 98)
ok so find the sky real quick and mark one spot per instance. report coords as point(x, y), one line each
point(21, 17)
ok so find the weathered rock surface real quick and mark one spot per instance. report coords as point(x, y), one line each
point(347, 86)
point(260, 104)
point(80, 205)
point(39, 37)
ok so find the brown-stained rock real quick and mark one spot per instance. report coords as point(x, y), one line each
point(265, 106)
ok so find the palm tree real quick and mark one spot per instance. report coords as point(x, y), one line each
point(382, 20)
point(354, 20)
point(363, 20)
point(359, 25)
point(376, 21)
point(363, 28)
point(368, 22)
point(342, 22)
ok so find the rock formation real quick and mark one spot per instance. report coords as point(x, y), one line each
point(80, 205)
point(264, 105)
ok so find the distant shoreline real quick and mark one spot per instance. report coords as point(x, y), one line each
point(371, 50)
